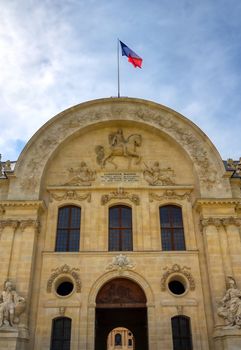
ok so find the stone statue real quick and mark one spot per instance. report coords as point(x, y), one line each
point(7, 166)
point(11, 305)
point(82, 176)
point(230, 305)
point(119, 146)
point(156, 176)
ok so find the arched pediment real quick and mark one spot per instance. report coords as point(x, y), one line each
point(79, 120)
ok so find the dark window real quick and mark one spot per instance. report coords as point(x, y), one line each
point(129, 342)
point(172, 232)
point(118, 339)
point(61, 334)
point(68, 230)
point(181, 333)
point(120, 228)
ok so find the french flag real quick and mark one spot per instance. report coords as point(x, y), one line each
point(132, 56)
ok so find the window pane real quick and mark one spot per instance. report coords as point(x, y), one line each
point(176, 216)
point(74, 241)
point(62, 238)
point(114, 217)
point(75, 217)
point(166, 239)
point(181, 333)
point(63, 220)
point(179, 243)
point(164, 216)
point(114, 240)
point(126, 240)
point(126, 217)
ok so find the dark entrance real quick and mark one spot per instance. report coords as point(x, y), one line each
point(121, 303)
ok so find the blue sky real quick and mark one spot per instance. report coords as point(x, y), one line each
point(58, 53)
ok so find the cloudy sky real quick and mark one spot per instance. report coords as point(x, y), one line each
point(58, 53)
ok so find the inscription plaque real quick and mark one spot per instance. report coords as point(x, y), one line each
point(119, 177)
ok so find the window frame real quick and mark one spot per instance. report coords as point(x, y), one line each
point(181, 337)
point(68, 228)
point(62, 339)
point(120, 229)
point(172, 228)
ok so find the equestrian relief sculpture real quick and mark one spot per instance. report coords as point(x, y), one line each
point(230, 305)
point(11, 305)
point(119, 146)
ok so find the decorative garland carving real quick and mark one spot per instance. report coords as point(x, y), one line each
point(120, 262)
point(169, 194)
point(64, 270)
point(71, 195)
point(177, 269)
point(120, 193)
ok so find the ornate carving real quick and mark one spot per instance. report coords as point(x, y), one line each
point(30, 223)
point(8, 223)
point(7, 166)
point(72, 195)
point(64, 270)
point(119, 147)
point(157, 176)
point(230, 305)
point(11, 305)
point(2, 210)
point(120, 262)
point(231, 221)
point(120, 193)
point(62, 310)
point(185, 271)
point(169, 194)
point(179, 309)
point(81, 176)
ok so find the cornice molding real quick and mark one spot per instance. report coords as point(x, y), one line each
point(200, 203)
point(22, 203)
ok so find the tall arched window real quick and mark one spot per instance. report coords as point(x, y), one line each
point(120, 228)
point(61, 334)
point(118, 339)
point(172, 232)
point(181, 333)
point(68, 229)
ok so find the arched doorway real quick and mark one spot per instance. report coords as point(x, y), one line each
point(121, 303)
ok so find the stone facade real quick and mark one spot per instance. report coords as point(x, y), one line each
point(131, 152)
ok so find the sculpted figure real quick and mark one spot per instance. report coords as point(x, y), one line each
point(230, 306)
point(119, 146)
point(11, 305)
point(81, 176)
point(156, 176)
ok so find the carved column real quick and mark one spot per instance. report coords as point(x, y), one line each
point(232, 226)
point(24, 274)
point(214, 260)
point(7, 231)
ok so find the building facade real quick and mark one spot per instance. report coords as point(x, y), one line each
point(120, 213)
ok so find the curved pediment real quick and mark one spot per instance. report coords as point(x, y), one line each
point(86, 143)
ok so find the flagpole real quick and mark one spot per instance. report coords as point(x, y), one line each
point(118, 66)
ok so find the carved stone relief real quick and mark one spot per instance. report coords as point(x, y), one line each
point(185, 271)
point(120, 262)
point(230, 305)
point(220, 222)
point(235, 165)
point(11, 305)
point(120, 193)
point(119, 146)
point(81, 176)
point(169, 194)
point(64, 270)
point(71, 195)
point(157, 176)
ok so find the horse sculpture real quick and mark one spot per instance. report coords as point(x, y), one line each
point(119, 147)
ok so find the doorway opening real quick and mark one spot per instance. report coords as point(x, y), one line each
point(121, 303)
point(120, 338)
